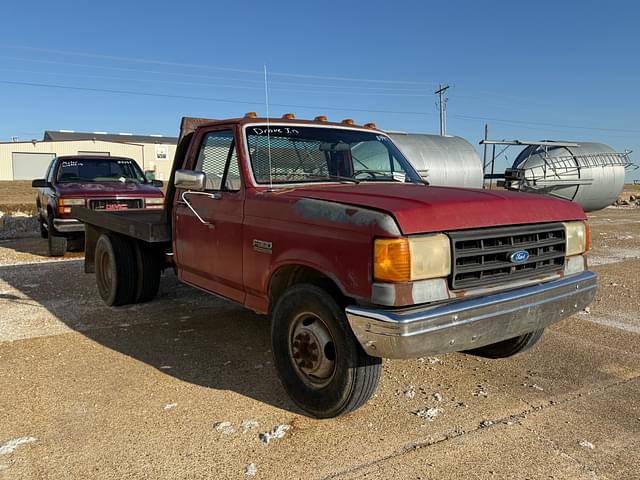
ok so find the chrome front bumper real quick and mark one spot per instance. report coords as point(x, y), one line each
point(68, 225)
point(466, 324)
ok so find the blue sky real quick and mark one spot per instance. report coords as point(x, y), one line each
point(534, 70)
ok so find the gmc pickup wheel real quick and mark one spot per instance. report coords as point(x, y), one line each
point(115, 269)
point(509, 347)
point(43, 230)
point(321, 365)
point(56, 244)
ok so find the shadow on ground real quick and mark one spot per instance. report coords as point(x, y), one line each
point(32, 245)
point(185, 333)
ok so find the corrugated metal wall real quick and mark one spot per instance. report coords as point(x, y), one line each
point(148, 156)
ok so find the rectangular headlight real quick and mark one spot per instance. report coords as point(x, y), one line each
point(154, 201)
point(68, 202)
point(577, 237)
point(414, 258)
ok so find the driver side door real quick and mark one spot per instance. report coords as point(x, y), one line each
point(208, 224)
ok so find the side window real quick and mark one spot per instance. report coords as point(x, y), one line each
point(218, 160)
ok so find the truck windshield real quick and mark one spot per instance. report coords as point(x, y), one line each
point(99, 170)
point(292, 154)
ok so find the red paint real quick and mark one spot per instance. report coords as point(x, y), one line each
point(421, 209)
point(221, 257)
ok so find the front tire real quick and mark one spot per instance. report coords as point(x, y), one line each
point(56, 244)
point(321, 365)
point(509, 347)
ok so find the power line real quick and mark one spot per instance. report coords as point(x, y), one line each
point(211, 67)
point(209, 99)
point(174, 82)
point(312, 107)
point(541, 124)
point(195, 75)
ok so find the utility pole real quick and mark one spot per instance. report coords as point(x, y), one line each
point(442, 101)
point(484, 159)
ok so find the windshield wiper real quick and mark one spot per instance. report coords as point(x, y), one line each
point(317, 175)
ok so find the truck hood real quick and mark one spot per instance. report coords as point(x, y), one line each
point(422, 209)
point(109, 189)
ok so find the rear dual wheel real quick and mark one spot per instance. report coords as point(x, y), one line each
point(126, 271)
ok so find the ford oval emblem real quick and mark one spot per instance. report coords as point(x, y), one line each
point(519, 256)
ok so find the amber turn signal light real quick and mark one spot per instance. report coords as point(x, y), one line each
point(391, 260)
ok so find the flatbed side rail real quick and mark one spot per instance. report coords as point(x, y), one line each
point(143, 226)
point(139, 224)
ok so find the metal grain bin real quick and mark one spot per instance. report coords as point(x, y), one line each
point(590, 174)
point(443, 161)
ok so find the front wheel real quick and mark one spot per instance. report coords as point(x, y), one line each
point(321, 365)
point(509, 347)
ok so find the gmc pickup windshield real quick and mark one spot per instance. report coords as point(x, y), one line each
point(99, 170)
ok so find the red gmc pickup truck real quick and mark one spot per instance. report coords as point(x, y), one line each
point(99, 182)
point(327, 228)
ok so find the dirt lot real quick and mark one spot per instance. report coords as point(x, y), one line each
point(88, 391)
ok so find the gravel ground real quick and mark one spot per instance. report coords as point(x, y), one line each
point(184, 387)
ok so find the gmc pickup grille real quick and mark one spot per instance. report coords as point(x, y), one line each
point(113, 204)
point(483, 257)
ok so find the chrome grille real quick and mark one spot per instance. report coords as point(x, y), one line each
point(483, 257)
point(115, 204)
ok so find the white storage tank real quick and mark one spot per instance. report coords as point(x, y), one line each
point(590, 174)
point(443, 161)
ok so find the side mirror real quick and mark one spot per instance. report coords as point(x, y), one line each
point(40, 183)
point(189, 180)
point(157, 183)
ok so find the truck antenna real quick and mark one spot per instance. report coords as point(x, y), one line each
point(266, 101)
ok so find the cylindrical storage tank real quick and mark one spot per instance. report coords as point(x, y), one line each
point(591, 174)
point(442, 161)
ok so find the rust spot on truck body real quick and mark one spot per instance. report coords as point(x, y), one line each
point(334, 212)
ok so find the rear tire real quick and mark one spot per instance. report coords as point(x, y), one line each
point(115, 269)
point(321, 365)
point(148, 272)
point(509, 347)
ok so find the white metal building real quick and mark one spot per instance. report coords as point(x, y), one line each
point(28, 160)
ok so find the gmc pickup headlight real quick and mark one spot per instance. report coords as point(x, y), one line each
point(154, 202)
point(577, 237)
point(413, 258)
point(65, 204)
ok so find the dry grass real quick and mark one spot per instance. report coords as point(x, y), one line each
point(17, 196)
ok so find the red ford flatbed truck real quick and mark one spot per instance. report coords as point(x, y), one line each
point(327, 228)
